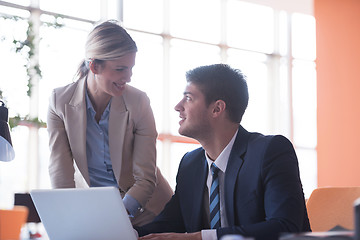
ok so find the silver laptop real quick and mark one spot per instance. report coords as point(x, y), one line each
point(83, 214)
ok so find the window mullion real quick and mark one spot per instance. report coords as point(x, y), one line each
point(290, 76)
point(33, 163)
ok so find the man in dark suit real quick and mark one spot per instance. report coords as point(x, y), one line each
point(254, 188)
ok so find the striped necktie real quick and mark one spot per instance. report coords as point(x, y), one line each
point(214, 198)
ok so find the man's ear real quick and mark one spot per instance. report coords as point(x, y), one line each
point(219, 107)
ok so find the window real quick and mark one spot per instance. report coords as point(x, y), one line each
point(274, 48)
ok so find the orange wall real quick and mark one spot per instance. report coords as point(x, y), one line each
point(338, 84)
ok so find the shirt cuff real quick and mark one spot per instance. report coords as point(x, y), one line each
point(132, 205)
point(209, 234)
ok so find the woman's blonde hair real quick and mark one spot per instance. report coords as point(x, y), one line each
point(107, 41)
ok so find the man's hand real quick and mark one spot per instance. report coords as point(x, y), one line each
point(172, 236)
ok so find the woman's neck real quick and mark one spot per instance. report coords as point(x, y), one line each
point(98, 98)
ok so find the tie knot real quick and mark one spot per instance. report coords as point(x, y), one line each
point(214, 169)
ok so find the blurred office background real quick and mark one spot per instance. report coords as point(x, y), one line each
point(272, 42)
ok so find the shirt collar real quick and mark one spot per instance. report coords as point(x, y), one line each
point(88, 102)
point(90, 107)
point(222, 160)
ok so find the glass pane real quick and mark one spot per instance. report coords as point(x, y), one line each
point(8, 11)
point(14, 77)
point(304, 104)
point(148, 73)
point(144, 15)
point(283, 33)
point(189, 20)
point(303, 36)
point(256, 117)
point(44, 155)
point(250, 26)
point(13, 175)
point(183, 57)
point(308, 169)
point(62, 50)
point(160, 157)
point(20, 2)
point(79, 8)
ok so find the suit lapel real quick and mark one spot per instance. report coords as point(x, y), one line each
point(117, 127)
point(198, 184)
point(235, 162)
point(75, 113)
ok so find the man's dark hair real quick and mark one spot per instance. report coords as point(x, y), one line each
point(221, 82)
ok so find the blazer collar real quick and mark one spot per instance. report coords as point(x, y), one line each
point(235, 162)
point(78, 97)
point(75, 111)
point(195, 186)
point(118, 120)
point(199, 186)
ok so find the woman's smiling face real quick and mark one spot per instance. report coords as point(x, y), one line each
point(112, 75)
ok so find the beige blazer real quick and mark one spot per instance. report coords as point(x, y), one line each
point(132, 143)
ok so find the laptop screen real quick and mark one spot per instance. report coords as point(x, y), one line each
point(83, 213)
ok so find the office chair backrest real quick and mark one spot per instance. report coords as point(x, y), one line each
point(11, 222)
point(24, 199)
point(332, 206)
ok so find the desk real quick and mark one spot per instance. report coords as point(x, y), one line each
point(33, 228)
point(330, 235)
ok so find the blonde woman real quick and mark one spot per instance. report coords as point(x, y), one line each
point(102, 131)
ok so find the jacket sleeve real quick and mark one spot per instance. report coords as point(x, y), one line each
point(169, 220)
point(284, 203)
point(61, 167)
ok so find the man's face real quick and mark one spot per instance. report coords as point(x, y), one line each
point(194, 113)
